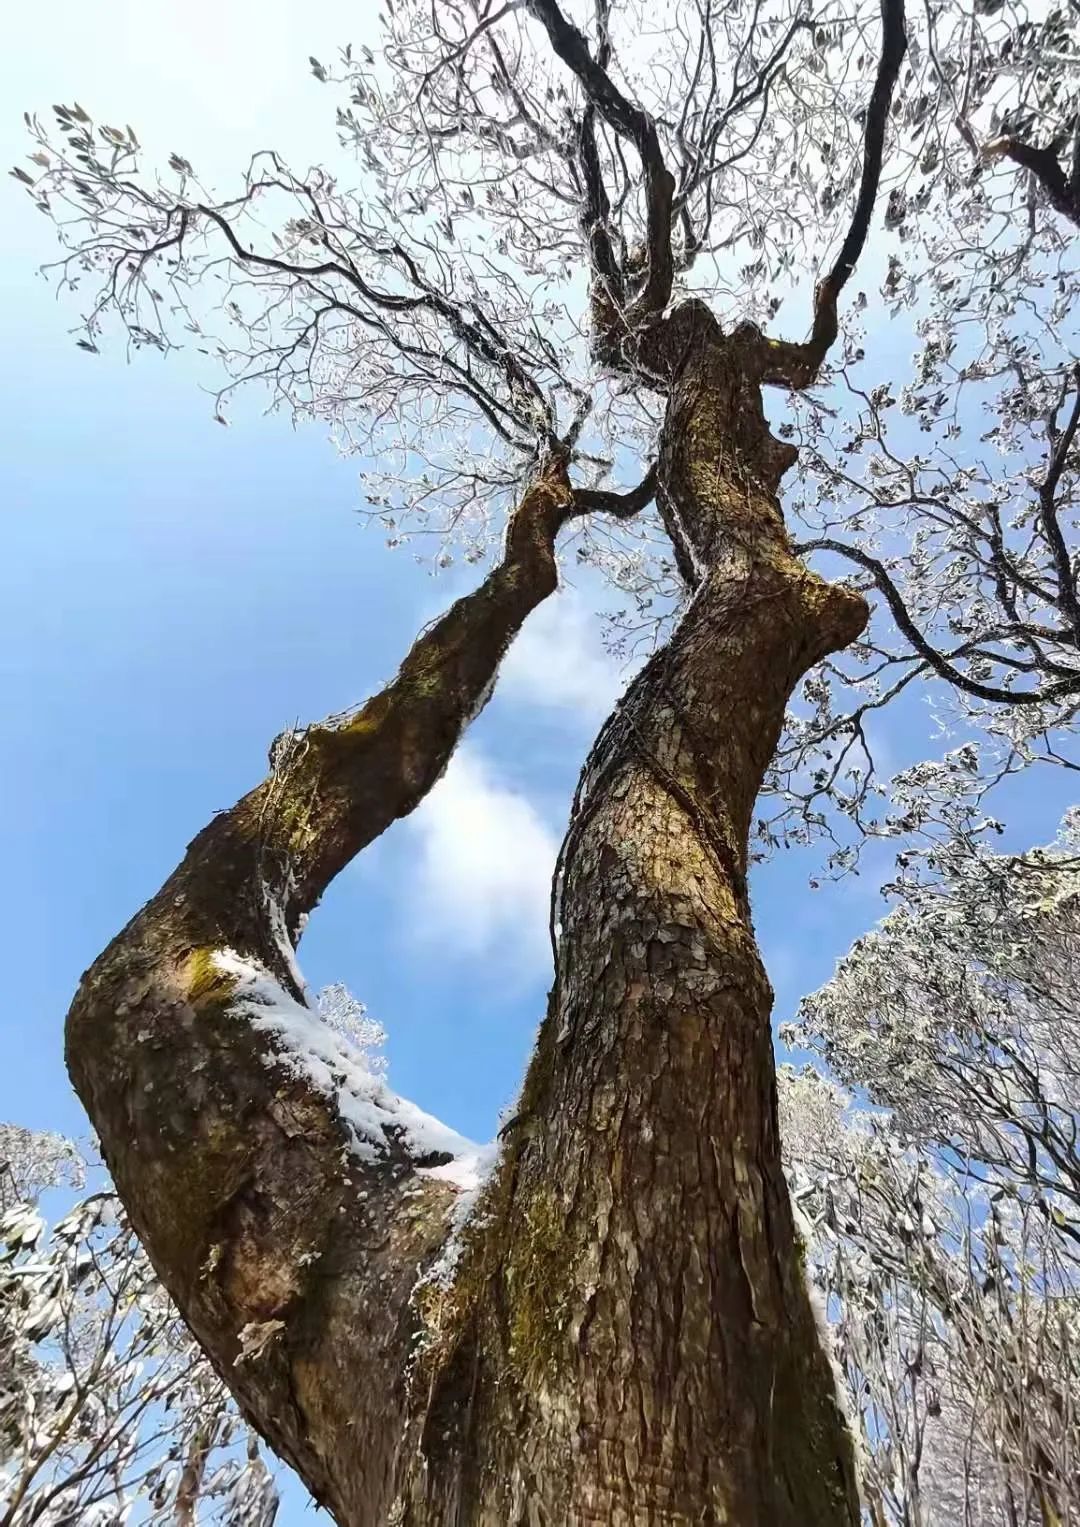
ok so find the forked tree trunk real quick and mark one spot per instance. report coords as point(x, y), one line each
point(627, 1337)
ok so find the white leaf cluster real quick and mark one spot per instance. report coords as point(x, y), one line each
point(937, 1189)
point(109, 1413)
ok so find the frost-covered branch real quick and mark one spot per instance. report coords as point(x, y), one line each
point(107, 1405)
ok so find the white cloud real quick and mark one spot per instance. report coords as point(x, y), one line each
point(559, 661)
point(486, 861)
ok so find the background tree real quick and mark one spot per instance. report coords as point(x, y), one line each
point(942, 1227)
point(107, 1405)
point(952, 1307)
point(522, 289)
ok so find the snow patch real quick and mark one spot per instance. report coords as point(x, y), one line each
point(469, 1173)
point(308, 1048)
point(279, 932)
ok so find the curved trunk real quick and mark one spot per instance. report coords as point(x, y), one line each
point(290, 1242)
point(633, 1339)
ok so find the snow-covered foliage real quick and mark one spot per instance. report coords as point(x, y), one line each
point(428, 296)
point(109, 1412)
point(960, 1012)
point(954, 1310)
point(347, 1016)
point(941, 1216)
point(945, 481)
point(32, 1160)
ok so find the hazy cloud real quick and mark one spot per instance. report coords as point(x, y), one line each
point(486, 861)
point(559, 661)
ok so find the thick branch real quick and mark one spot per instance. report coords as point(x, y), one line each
point(605, 266)
point(937, 661)
point(278, 1189)
point(358, 776)
point(1061, 190)
point(621, 505)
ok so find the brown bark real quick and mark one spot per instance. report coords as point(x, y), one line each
point(628, 1336)
point(633, 1340)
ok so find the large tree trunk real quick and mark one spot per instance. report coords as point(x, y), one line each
point(626, 1336)
point(635, 1341)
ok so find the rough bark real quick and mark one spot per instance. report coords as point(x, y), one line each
point(632, 1339)
point(628, 1336)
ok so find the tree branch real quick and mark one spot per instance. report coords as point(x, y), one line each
point(1063, 569)
point(1061, 190)
point(797, 365)
point(228, 1118)
point(937, 661)
point(488, 347)
point(638, 128)
point(602, 258)
point(621, 505)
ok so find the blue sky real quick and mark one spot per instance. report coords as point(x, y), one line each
point(172, 594)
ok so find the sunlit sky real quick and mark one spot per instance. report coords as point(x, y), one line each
point(172, 594)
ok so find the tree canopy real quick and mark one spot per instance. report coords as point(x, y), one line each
point(461, 295)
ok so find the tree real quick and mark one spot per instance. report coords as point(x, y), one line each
point(519, 291)
point(959, 1015)
point(943, 1226)
point(952, 1306)
point(107, 1404)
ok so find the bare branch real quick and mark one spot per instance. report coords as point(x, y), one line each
point(638, 128)
point(797, 365)
point(937, 661)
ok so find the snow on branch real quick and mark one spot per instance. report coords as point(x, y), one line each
point(313, 1050)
